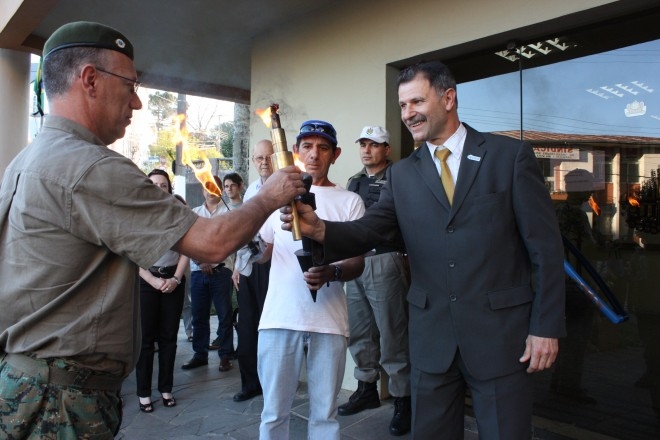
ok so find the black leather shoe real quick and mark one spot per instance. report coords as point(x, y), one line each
point(366, 397)
point(246, 395)
point(194, 363)
point(225, 364)
point(400, 423)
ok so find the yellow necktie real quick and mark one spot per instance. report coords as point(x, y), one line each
point(445, 174)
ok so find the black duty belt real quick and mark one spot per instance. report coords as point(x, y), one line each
point(83, 378)
point(385, 250)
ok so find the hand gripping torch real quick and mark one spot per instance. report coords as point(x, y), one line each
point(305, 254)
point(282, 158)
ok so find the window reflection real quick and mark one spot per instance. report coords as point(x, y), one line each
point(594, 123)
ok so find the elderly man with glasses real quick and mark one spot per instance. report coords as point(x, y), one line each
point(251, 281)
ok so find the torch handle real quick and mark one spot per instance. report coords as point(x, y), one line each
point(281, 159)
point(295, 223)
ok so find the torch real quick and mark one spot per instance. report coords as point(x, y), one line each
point(305, 255)
point(282, 158)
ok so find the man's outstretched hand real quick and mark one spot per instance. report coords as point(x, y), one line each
point(310, 224)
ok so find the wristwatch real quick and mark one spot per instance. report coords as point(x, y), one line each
point(338, 272)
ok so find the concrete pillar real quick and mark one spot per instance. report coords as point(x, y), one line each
point(14, 104)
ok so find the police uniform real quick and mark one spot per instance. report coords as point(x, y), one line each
point(377, 309)
point(76, 219)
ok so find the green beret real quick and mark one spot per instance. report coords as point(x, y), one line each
point(88, 34)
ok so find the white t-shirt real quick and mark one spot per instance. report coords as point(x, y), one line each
point(203, 211)
point(289, 304)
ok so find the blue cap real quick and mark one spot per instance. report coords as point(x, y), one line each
point(316, 127)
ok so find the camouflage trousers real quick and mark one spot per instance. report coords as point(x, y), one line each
point(53, 400)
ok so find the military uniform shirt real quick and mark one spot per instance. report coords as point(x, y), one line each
point(76, 219)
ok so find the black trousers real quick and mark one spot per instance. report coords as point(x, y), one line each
point(160, 314)
point(502, 405)
point(251, 296)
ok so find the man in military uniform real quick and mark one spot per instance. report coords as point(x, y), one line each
point(377, 310)
point(76, 221)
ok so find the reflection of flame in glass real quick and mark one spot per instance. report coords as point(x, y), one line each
point(204, 174)
point(594, 206)
point(633, 202)
point(264, 114)
point(297, 162)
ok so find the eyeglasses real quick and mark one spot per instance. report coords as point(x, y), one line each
point(318, 128)
point(261, 159)
point(136, 84)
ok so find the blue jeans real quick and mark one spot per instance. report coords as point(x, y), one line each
point(204, 289)
point(281, 356)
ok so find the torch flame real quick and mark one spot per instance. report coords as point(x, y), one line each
point(265, 115)
point(203, 174)
point(297, 162)
point(594, 206)
point(633, 201)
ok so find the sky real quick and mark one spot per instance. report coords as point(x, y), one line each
point(616, 93)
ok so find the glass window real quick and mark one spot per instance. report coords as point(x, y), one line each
point(594, 123)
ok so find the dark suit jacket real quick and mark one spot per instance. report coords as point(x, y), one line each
point(471, 263)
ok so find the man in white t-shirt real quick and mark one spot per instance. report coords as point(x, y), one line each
point(294, 328)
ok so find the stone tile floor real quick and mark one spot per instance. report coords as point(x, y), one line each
point(205, 409)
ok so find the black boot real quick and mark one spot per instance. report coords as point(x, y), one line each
point(366, 397)
point(400, 423)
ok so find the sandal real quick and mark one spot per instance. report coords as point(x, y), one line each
point(147, 407)
point(169, 403)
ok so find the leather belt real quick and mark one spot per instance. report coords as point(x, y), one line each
point(215, 269)
point(83, 378)
point(162, 271)
point(380, 251)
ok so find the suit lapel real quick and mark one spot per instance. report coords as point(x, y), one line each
point(473, 155)
point(426, 168)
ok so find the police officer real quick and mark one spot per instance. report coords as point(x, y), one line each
point(377, 311)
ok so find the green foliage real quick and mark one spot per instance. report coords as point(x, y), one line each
point(226, 135)
point(163, 106)
point(216, 142)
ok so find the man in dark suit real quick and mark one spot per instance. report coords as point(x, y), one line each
point(478, 318)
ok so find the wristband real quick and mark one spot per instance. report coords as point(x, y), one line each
point(338, 272)
point(178, 281)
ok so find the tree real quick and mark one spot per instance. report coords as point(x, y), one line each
point(226, 135)
point(241, 149)
point(163, 106)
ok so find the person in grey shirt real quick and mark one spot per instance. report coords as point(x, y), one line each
point(76, 221)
